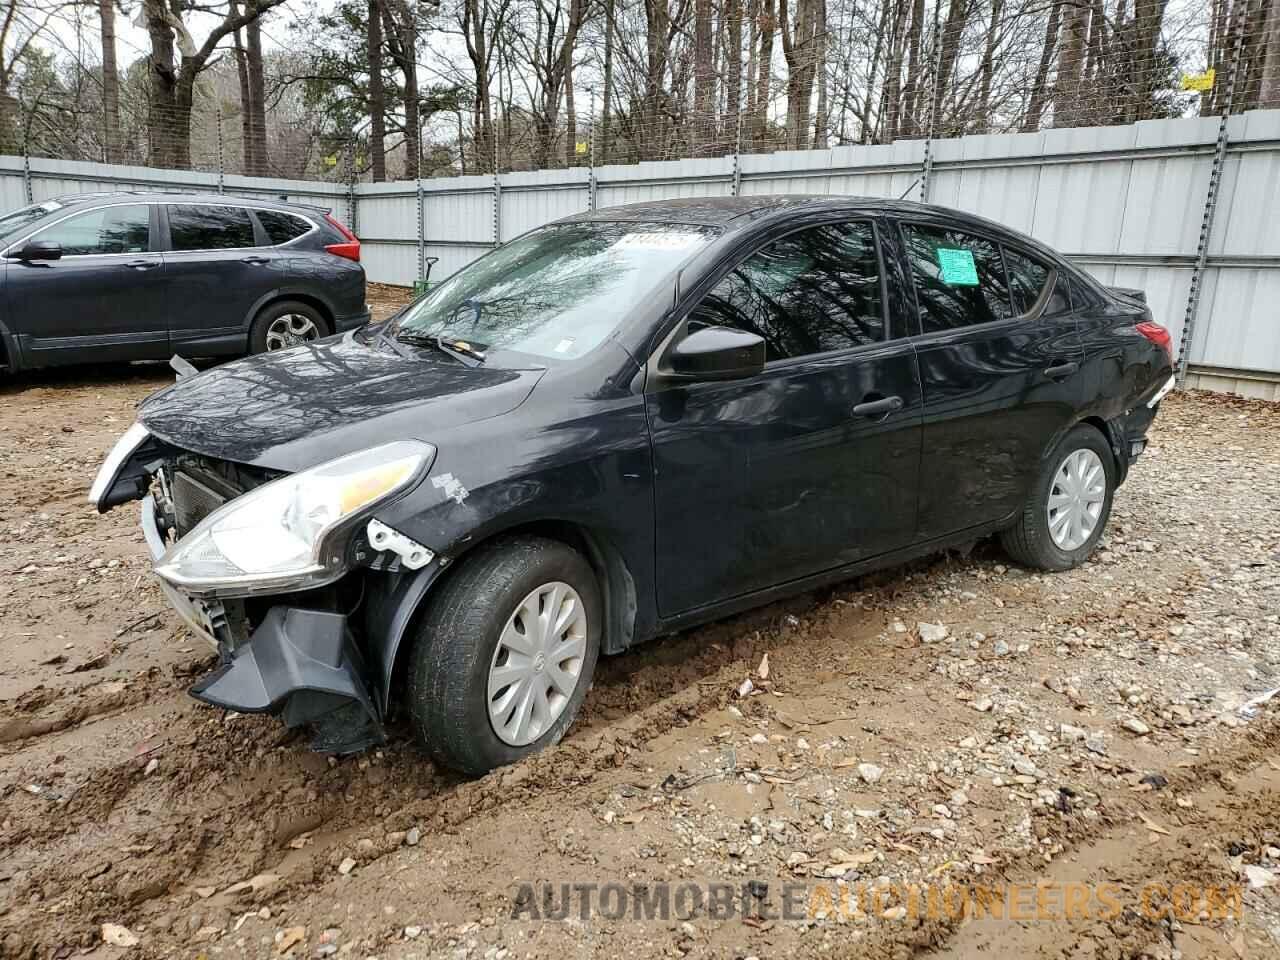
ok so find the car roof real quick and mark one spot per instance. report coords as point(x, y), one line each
point(157, 196)
point(740, 211)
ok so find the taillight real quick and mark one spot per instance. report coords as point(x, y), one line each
point(350, 249)
point(1157, 335)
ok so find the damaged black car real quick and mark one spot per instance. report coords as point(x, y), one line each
point(617, 426)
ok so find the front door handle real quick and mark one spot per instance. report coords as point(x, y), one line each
point(256, 261)
point(878, 408)
point(1062, 370)
point(142, 264)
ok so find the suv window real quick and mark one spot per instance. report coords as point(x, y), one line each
point(813, 291)
point(959, 278)
point(210, 228)
point(281, 227)
point(1027, 279)
point(124, 229)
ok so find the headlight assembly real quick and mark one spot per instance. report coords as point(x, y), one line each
point(291, 533)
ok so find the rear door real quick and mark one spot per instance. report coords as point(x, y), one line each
point(783, 475)
point(1000, 360)
point(219, 270)
point(103, 301)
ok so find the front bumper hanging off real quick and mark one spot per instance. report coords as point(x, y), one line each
point(303, 664)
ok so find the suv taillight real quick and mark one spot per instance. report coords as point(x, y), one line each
point(350, 249)
point(1157, 335)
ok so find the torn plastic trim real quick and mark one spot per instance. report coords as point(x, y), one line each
point(305, 664)
point(115, 460)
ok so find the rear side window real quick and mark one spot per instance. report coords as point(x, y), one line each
point(210, 228)
point(814, 291)
point(281, 227)
point(1027, 280)
point(125, 229)
point(959, 278)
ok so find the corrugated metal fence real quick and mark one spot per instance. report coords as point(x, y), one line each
point(1125, 202)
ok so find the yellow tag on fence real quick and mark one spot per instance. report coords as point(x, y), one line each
point(1198, 81)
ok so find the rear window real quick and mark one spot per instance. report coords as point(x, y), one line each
point(282, 227)
point(210, 228)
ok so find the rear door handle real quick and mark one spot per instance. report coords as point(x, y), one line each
point(143, 264)
point(256, 261)
point(1062, 370)
point(878, 408)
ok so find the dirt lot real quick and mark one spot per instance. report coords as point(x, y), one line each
point(957, 721)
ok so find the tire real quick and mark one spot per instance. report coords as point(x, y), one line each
point(457, 646)
point(274, 330)
point(1031, 541)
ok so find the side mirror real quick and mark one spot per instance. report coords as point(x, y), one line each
point(40, 250)
point(718, 353)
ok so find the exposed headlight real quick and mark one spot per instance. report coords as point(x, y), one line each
point(290, 534)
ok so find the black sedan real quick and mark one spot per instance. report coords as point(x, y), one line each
point(620, 425)
point(143, 276)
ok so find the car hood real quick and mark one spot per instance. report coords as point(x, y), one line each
point(294, 408)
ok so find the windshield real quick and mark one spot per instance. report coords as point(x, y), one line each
point(11, 224)
point(557, 292)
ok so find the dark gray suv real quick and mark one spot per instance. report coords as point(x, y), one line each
point(143, 276)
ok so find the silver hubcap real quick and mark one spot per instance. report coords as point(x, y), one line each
point(1075, 499)
point(538, 663)
point(290, 330)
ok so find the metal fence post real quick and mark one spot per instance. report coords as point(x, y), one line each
point(422, 214)
point(349, 162)
point(1210, 208)
point(221, 152)
point(737, 142)
point(927, 166)
point(26, 172)
point(497, 196)
point(591, 149)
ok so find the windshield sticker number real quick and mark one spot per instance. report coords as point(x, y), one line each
point(658, 241)
point(958, 268)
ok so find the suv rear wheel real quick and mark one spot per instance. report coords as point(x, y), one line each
point(1069, 504)
point(504, 654)
point(286, 324)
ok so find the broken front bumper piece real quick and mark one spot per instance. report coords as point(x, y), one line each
point(302, 664)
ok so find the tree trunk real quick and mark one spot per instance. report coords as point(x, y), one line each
point(403, 30)
point(246, 97)
point(912, 96)
point(110, 83)
point(865, 136)
point(1148, 16)
point(988, 67)
point(701, 131)
point(821, 120)
point(1035, 108)
point(474, 29)
point(257, 97)
point(1269, 89)
point(607, 100)
point(733, 71)
point(570, 112)
point(957, 18)
point(377, 95)
point(890, 111)
point(1068, 91)
point(764, 65)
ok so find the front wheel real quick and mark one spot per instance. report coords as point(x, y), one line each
point(1068, 506)
point(504, 654)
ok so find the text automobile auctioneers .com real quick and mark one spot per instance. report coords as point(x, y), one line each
point(797, 902)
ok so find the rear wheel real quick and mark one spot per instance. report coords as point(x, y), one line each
point(286, 324)
point(1069, 504)
point(504, 654)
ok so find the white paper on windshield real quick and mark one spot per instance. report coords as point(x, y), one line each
point(50, 205)
point(565, 345)
point(659, 240)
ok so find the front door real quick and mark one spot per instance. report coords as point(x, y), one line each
point(1000, 363)
point(103, 301)
point(789, 473)
point(216, 261)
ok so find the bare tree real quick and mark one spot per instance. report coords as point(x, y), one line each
point(377, 94)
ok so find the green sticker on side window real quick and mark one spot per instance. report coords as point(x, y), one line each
point(957, 267)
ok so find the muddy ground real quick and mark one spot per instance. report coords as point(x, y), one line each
point(960, 722)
